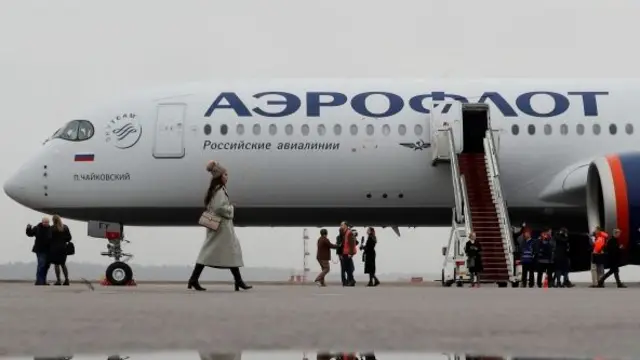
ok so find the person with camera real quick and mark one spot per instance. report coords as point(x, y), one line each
point(41, 246)
point(561, 258)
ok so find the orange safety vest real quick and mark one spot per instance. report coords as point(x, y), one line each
point(601, 239)
point(346, 246)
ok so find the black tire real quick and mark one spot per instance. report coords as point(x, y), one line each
point(515, 284)
point(502, 284)
point(119, 274)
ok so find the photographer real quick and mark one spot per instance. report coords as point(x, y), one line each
point(562, 258)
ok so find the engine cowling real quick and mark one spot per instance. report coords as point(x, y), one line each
point(613, 196)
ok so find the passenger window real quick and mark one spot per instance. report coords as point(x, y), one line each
point(613, 129)
point(402, 129)
point(321, 130)
point(224, 129)
point(515, 129)
point(288, 129)
point(580, 129)
point(256, 129)
point(564, 129)
point(337, 129)
point(531, 129)
point(417, 129)
point(628, 129)
point(240, 129)
point(353, 129)
point(547, 129)
point(273, 129)
point(305, 129)
point(596, 129)
point(85, 130)
point(386, 130)
point(370, 129)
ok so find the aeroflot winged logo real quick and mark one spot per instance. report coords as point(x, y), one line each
point(124, 131)
point(418, 145)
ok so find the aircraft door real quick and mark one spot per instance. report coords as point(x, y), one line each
point(444, 113)
point(169, 136)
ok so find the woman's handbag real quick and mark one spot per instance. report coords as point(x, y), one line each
point(70, 248)
point(209, 220)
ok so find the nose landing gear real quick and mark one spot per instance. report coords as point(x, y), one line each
point(118, 273)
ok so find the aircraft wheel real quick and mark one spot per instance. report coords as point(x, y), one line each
point(119, 273)
point(515, 284)
point(502, 284)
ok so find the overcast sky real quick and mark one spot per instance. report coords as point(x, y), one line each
point(59, 56)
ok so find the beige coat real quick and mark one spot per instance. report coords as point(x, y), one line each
point(221, 248)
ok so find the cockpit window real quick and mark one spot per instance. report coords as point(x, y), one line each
point(76, 130)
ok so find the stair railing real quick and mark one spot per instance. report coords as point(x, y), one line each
point(500, 203)
point(468, 228)
point(455, 175)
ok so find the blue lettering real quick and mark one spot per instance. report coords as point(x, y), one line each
point(500, 102)
point(291, 104)
point(589, 102)
point(233, 102)
point(316, 100)
point(314, 103)
point(560, 104)
point(359, 104)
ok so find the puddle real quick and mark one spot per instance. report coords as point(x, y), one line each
point(295, 355)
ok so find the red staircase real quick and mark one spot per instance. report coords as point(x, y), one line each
point(484, 218)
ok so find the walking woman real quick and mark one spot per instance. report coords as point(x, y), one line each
point(369, 255)
point(221, 248)
point(474, 259)
point(60, 238)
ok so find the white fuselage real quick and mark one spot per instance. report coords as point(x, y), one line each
point(317, 164)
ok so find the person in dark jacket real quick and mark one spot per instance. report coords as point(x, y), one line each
point(369, 256)
point(60, 238)
point(42, 234)
point(323, 256)
point(561, 257)
point(473, 250)
point(527, 259)
point(613, 253)
point(544, 258)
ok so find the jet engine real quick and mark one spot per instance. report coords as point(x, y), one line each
point(613, 194)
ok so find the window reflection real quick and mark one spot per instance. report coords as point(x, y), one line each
point(76, 130)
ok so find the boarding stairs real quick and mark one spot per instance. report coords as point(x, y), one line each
point(479, 207)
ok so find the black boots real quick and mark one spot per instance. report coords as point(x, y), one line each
point(239, 283)
point(193, 281)
point(197, 270)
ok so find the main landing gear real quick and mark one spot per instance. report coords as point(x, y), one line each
point(119, 273)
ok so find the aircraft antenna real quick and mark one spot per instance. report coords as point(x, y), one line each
point(305, 258)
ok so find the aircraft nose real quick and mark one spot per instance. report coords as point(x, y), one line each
point(16, 189)
point(22, 187)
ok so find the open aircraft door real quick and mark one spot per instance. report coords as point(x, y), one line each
point(443, 114)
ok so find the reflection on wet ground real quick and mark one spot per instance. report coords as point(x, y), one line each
point(297, 355)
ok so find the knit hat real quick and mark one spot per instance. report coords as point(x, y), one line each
point(215, 169)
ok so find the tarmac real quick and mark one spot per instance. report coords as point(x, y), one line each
point(525, 322)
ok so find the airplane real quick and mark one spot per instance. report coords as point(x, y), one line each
point(306, 152)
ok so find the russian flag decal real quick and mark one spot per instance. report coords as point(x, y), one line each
point(84, 157)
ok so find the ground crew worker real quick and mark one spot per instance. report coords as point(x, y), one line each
point(613, 250)
point(597, 255)
point(346, 257)
point(323, 255)
point(527, 259)
point(544, 257)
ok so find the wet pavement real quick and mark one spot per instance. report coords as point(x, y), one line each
point(552, 322)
